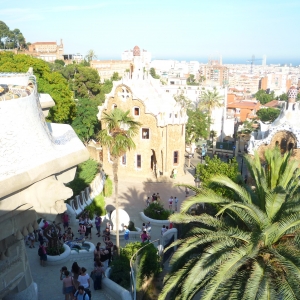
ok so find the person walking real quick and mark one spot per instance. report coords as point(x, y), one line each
point(126, 234)
point(98, 221)
point(144, 236)
point(82, 230)
point(81, 294)
point(84, 278)
point(176, 203)
point(171, 203)
point(68, 286)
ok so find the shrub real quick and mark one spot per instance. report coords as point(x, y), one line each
point(149, 264)
point(156, 211)
point(85, 174)
point(131, 226)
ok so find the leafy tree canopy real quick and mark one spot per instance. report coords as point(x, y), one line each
point(268, 114)
point(11, 39)
point(48, 82)
point(191, 80)
point(86, 124)
point(153, 73)
point(263, 97)
point(284, 97)
point(215, 166)
point(197, 126)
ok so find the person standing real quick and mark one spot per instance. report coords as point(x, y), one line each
point(99, 273)
point(157, 197)
point(144, 236)
point(176, 203)
point(65, 220)
point(89, 226)
point(163, 230)
point(76, 270)
point(43, 254)
point(68, 286)
point(171, 203)
point(148, 201)
point(82, 230)
point(98, 221)
point(126, 234)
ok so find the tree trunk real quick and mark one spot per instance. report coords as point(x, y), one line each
point(115, 173)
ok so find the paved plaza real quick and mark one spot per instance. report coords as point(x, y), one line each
point(132, 197)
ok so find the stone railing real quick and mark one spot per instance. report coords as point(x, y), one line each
point(76, 205)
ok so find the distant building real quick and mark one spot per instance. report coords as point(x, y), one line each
point(47, 51)
point(144, 54)
point(106, 68)
point(70, 58)
point(215, 74)
point(284, 132)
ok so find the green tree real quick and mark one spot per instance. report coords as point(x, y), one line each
point(191, 80)
point(268, 114)
point(263, 97)
point(86, 83)
point(117, 136)
point(11, 39)
point(183, 101)
point(86, 124)
point(48, 82)
point(215, 166)
point(250, 249)
point(197, 126)
point(209, 101)
point(60, 62)
point(153, 73)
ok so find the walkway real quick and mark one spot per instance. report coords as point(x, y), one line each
point(132, 195)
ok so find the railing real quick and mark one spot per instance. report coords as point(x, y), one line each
point(134, 268)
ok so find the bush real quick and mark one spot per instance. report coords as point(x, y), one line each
point(156, 211)
point(149, 264)
point(131, 226)
point(85, 174)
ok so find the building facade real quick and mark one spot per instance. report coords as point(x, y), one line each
point(47, 51)
point(160, 144)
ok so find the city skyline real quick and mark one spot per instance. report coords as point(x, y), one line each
point(175, 30)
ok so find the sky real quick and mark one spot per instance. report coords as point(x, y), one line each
point(169, 29)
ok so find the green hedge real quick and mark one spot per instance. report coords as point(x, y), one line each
point(85, 174)
point(97, 206)
point(156, 211)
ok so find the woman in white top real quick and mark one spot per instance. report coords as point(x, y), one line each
point(84, 278)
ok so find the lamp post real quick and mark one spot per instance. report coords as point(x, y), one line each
point(197, 182)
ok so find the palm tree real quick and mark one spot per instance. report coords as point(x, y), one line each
point(250, 248)
point(117, 136)
point(210, 100)
point(90, 55)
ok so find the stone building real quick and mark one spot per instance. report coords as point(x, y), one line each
point(47, 51)
point(36, 159)
point(160, 144)
point(284, 132)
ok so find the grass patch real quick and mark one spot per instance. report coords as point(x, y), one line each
point(97, 207)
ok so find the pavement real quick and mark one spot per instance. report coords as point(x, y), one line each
point(133, 192)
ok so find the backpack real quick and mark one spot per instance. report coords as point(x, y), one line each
point(40, 251)
point(86, 291)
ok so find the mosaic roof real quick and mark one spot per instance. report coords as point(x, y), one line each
point(10, 91)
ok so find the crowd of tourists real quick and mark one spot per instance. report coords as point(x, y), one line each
point(155, 198)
